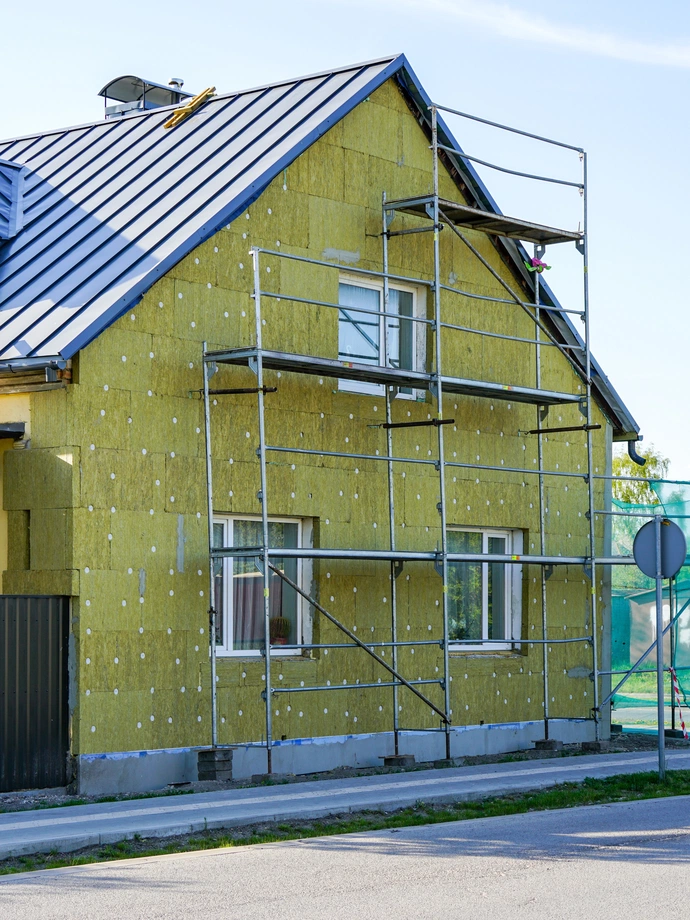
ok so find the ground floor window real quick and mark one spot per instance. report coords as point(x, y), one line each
point(481, 596)
point(239, 587)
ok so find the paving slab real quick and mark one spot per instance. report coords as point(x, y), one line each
point(70, 828)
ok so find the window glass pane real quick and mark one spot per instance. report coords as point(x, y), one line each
point(393, 328)
point(248, 585)
point(497, 590)
point(218, 540)
point(247, 590)
point(464, 588)
point(400, 331)
point(358, 333)
point(284, 600)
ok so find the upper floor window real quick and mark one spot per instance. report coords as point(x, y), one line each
point(239, 587)
point(372, 338)
point(483, 597)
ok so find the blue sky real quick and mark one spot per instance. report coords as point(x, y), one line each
point(612, 77)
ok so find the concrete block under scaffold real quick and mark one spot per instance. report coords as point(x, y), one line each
point(271, 779)
point(398, 760)
point(548, 744)
point(215, 764)
point(595, 747)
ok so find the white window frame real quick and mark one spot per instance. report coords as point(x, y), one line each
point(512, 626)
point(419, 337)
point(304, 532)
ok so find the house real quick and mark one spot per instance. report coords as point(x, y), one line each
point(238, 243)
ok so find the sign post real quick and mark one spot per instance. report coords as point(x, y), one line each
point(659, 550)
point(660, 715)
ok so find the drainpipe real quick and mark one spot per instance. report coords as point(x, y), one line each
point(633, 454)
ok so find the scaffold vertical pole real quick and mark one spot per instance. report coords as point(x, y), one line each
point(211, 573)
point(672, 646)
point(590, 458)
point(263, 498)
point(542, 504)
point(391, 482)
point(439, 400)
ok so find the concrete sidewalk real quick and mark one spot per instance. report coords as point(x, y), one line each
point(71, 828)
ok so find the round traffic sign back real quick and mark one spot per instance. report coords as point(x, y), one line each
point(673, 548)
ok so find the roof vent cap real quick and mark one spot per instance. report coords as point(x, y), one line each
point(136, 94)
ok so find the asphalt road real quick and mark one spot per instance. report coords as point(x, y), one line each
point(606, 862)
point(71, 828)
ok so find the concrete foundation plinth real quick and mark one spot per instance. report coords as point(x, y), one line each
point(215, 764)
point(108, 773)
point(548, 744)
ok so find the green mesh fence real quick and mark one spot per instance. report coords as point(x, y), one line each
point(633, 612)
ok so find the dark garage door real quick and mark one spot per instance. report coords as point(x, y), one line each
point(33, 692)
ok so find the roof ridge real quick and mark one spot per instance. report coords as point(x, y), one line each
point(388, 58)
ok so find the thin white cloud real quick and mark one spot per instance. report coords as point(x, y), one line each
point(503, 19)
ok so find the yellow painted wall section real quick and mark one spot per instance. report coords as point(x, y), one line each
point(127, 513)
point(14, 407)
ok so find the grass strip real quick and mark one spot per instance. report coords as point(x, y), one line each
point(622, 788)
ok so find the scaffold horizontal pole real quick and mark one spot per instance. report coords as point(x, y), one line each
point(502, 127)
point(510, 172)
point(357, 686)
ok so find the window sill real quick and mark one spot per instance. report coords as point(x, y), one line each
point(257, 656)
point(379, 390)
point(478, 651)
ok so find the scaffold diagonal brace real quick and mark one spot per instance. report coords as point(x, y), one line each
point(329, 616)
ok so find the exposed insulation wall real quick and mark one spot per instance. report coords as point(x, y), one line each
point(109, 504)
point(14, 407)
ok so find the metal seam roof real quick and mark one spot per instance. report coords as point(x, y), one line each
point(109, 207)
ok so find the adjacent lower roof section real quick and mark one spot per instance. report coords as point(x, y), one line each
point(13, 430)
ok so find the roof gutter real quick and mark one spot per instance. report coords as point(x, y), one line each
point(16, 365)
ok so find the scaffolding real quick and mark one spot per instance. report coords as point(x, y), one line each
point(438, 214)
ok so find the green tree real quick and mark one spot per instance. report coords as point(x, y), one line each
point(624, 529)
point(638, 493)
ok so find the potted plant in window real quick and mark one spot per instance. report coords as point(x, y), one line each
point(279, 630)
